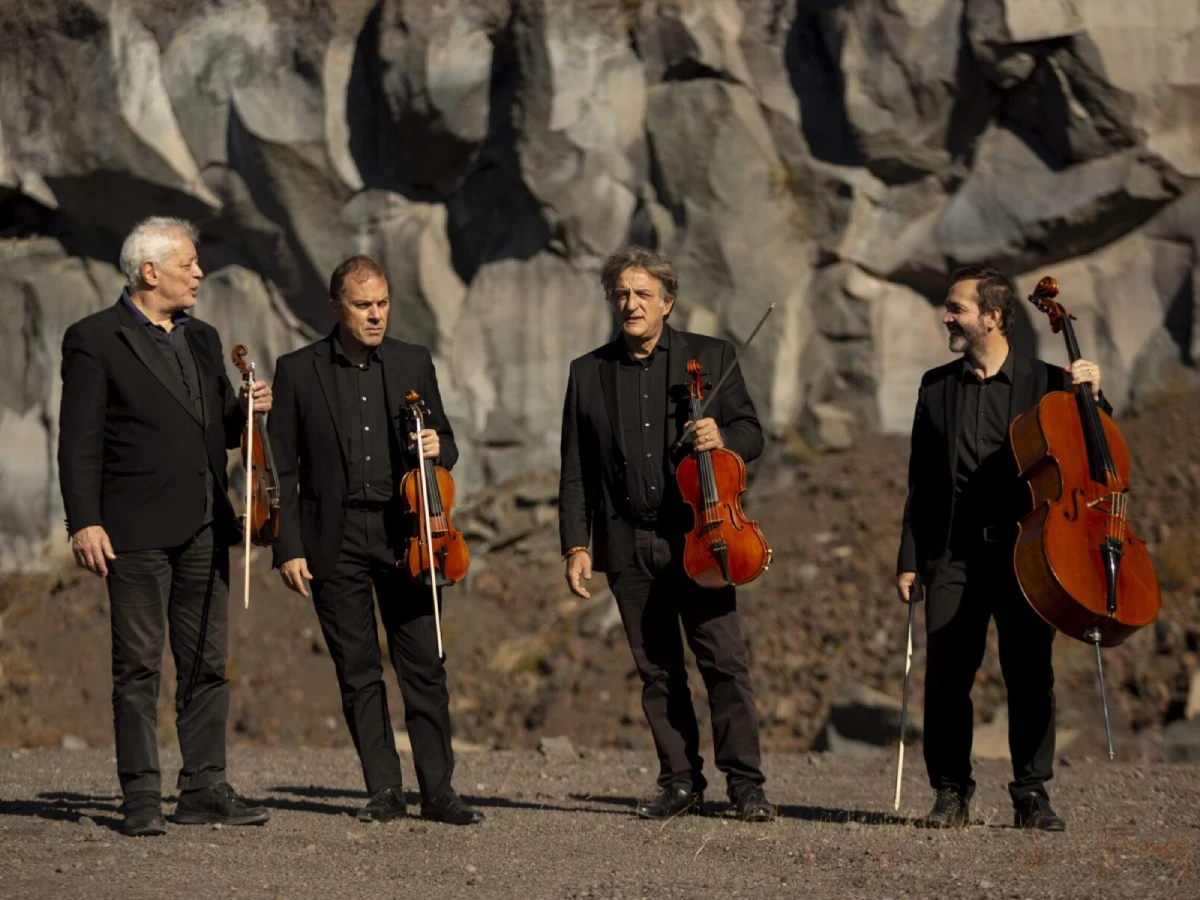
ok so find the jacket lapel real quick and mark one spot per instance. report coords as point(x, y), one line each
point(323, 364)
point(141, 342)
point(952, 414)
point(1025, 390)
point(678, 395)
point(608, 387)
point(206, 366)
point(394, 393)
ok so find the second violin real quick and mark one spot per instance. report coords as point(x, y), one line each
point(428, 492)
point(723, 547)
point(263, 506)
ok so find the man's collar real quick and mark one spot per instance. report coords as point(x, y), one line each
point(663, 343)
point(339, 352)
point(179, 317)
point(1006, 369)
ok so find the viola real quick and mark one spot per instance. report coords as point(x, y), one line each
point(724, 547)
point(263, 506)
point(436, 551)
point(1078, 561)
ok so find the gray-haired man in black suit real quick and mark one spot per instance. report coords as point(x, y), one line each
point(626, 407)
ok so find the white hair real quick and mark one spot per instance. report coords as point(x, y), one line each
point(151, 241)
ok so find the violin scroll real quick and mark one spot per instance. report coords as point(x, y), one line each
point(695, 380)
point(238, 355)
point(1043, 298)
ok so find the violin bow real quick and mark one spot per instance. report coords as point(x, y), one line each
point(437, 616)
point(912, 612)
point(249, 380)
point(720, 381)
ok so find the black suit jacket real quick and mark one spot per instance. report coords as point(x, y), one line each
point(131, 449)
point(593, 498)
point(933, 459)
point(310, 446)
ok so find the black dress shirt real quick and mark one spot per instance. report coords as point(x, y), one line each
point(642, 394)
point(984, 474)
point(177, 351)
point(370, 443)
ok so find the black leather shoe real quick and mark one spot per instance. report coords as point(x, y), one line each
point(671, 802)
point(386, 804)
point(143, 816)
point(217, 804)
point(449, 809)
point(1034, 812)
point(750, 805)
point(950, 810)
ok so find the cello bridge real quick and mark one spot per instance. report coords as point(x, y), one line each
point(1116, 501)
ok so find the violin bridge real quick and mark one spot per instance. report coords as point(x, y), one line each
point(1114, 499)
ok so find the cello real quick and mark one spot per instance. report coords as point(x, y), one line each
point(262, 482)
point(1078, 561)
point(724, 547)
point(436, 553)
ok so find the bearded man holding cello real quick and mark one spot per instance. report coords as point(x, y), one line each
point(964, 501)
point(341, 447)
point(626, 407)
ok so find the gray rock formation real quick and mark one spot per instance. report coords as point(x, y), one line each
point(837, 157)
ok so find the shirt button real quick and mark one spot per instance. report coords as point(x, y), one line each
point(368, 459)
point(648, 455)
point(646, 396)
point(364, 399)
point(366, 428)
point(647, 424)
point(653, 488)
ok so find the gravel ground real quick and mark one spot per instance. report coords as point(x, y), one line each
point(561, 826)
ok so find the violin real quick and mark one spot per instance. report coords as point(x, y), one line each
point(724, 547)
point(1078, 561)
point(436, 551)
point(263, 506)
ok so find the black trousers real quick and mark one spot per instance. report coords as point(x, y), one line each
point(345, 607)
point(972, 584)
point(654, 595)
point(147, 589)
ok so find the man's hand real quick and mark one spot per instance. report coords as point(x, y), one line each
point(262, 397)
point(429, 443)
point(579, 565)
point(707, 435)
point(1083, 372)
point(909, 587)
point(294, 573)
point(92, 548)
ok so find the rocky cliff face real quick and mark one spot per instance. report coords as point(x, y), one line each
point(838, 158)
